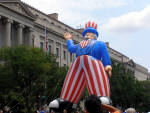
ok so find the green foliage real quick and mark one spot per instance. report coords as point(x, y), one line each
point(25, 73)
point(126, 91)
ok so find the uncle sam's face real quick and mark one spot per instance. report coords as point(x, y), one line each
point(90, 35)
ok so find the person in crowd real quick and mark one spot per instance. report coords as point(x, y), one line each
point(94, 104)
point(130, 110)
point(42, 110)
point(1, 111)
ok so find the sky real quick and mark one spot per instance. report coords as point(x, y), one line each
point(125, 24)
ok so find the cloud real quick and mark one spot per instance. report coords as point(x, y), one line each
point(91, 4)
point(73, 4)
point(74, 12)
point(128, 23)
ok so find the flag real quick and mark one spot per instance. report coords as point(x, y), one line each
point(46, 40)
point(84, 43)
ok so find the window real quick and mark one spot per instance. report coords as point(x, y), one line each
point(64, 55)
point(49, 49)
point(70, 57)
point(57, 52)
point(66, 29)
point(57, 63)
point(52, 22)
point(41, 45)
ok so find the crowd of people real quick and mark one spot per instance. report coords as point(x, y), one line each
point(94, 104)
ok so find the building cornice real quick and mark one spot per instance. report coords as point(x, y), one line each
point(31, 16)
point(8, 1)
point(51, 31)
point(52, 18)
point(121, 55)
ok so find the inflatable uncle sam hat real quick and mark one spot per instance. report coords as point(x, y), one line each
point(90, 27)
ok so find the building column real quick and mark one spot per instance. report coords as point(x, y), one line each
point(8, 32)
point(30, 37)
point(54, 47)
point(68, 58)
point(20, 29)
point(61, 55)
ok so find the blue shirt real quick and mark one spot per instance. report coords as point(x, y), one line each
point(42, 111)
point(96, 49)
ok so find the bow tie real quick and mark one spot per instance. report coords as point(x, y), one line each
point(84, 43)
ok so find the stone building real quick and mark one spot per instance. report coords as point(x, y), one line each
point(22, 24)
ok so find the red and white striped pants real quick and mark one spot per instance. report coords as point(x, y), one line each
point(85, 71)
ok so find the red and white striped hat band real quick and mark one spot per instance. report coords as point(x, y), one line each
point(91, 24)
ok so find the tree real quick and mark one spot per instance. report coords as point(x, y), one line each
point(126, 91)
point(143, 95)
point(122, 85)
point(24, 74)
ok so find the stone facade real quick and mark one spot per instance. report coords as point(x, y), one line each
point(23, 24)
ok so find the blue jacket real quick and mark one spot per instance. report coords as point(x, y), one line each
point(96, 49)
point(42, 111)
